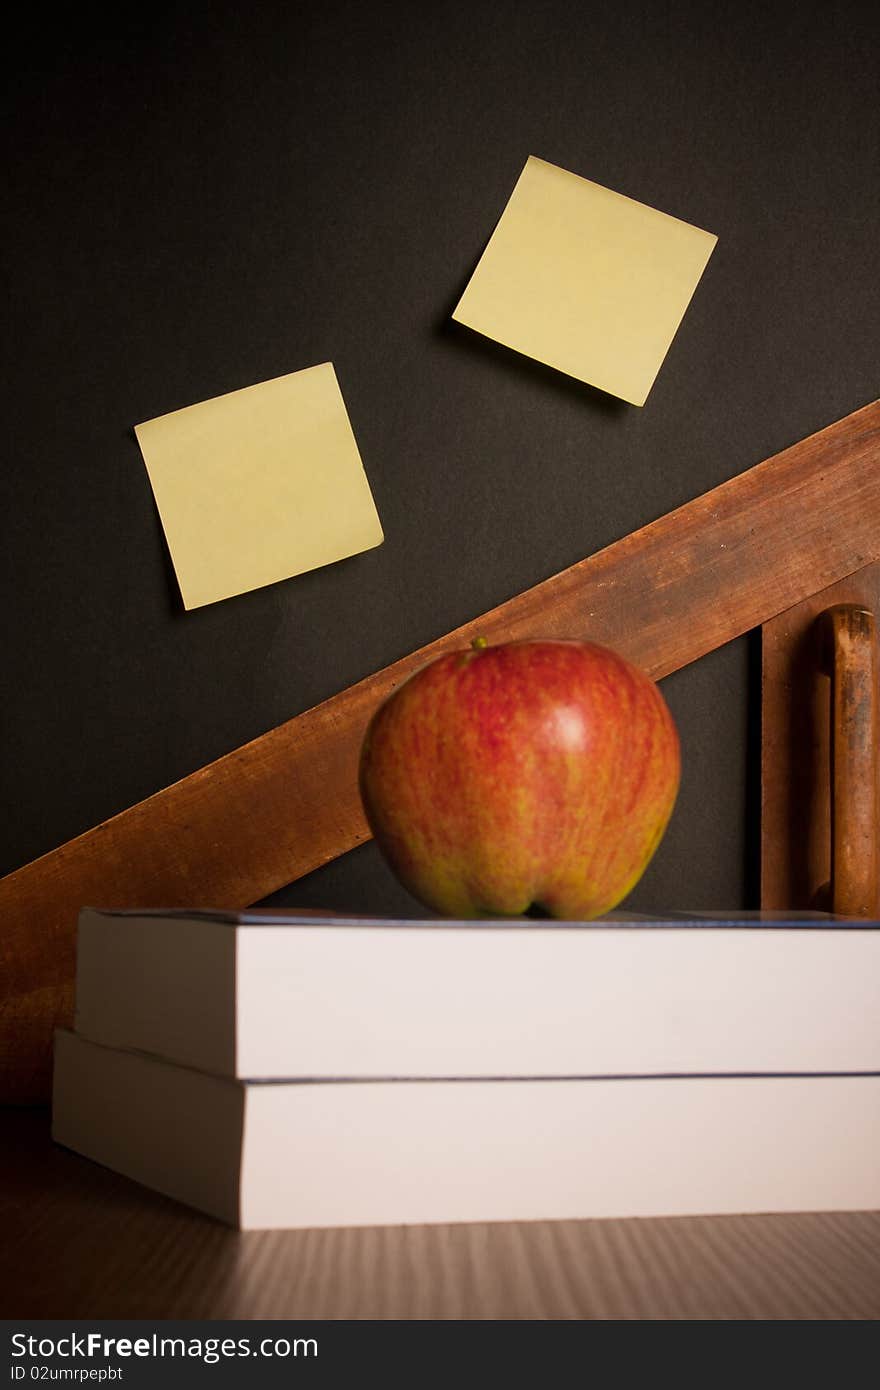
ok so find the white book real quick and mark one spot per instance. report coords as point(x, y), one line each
point(352, 1153)
point(269, 995)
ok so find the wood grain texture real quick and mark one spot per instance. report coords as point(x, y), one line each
point(82, 1242)
point(288, 802)
point(796, 746)
point(851, 658)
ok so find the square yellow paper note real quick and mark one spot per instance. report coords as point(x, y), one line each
point(585, 280)
point(259, 485)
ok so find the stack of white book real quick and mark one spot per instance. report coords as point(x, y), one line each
point(282, 1070)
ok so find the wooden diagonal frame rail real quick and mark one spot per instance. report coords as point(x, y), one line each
point(288, 802)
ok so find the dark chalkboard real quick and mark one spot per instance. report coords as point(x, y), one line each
point(204, 199)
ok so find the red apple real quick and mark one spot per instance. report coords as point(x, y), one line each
point(534, 774)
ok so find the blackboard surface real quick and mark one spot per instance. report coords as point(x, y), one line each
point(206, 198)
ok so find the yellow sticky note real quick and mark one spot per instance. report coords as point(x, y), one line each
point(585, 280)
point(259, 485)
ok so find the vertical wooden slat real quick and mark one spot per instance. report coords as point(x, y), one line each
point(796, 755)
point(850, 651)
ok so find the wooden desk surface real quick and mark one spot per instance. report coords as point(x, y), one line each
point(80, 1242)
